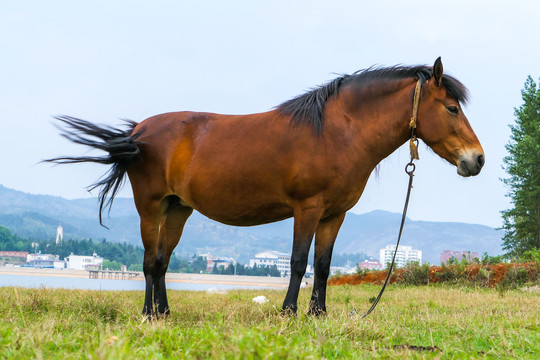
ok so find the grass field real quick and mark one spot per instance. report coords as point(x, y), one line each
point(412, 322)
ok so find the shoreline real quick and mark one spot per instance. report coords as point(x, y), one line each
point(263, 281)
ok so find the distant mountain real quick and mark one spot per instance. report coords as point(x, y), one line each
point(37, 216)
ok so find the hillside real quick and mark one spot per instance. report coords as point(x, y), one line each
point(37, 216)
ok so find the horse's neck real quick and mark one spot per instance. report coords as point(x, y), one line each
point(380, 118)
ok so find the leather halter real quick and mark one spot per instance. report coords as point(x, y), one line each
point(413, 144)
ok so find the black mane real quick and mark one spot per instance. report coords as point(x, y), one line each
point(309, 107)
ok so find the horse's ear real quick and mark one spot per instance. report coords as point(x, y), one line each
point(438, 71)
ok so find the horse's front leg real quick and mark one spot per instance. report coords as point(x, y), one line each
point(305, 224)
point(325, 238)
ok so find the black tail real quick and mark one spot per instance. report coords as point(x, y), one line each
point(122, 146)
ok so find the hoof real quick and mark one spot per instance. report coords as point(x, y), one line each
point(314, 311)
point(163, 314)
point(289, 311)
point(148, 312)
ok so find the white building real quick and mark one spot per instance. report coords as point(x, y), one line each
point(79, 262)
point(59, 264)
point(42, 260)
point(403, 255)
point(271, 258)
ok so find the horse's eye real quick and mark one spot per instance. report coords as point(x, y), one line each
point(453, 110)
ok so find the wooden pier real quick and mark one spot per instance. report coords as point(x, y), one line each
point(112, 274)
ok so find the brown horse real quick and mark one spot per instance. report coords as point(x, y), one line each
point(309, 159)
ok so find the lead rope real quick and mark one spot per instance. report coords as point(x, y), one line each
point(409, 169)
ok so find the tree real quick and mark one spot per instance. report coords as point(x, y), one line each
point(521, 223)
point(111, 265)
point(199, 265)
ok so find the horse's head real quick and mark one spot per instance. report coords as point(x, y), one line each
point(443, 126)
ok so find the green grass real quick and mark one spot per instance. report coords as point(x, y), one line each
point(412, 322)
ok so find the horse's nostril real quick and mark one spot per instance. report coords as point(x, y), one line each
point(480, 160)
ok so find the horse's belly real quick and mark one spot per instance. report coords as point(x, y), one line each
point(248, 214)
point(236, 192)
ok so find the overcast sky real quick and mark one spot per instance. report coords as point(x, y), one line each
point(107, 60)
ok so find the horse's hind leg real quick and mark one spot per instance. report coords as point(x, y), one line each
point(325, 238)
point(170, 232)
point(162, 223)
point(149, 234)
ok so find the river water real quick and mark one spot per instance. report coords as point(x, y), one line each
point(36, 281)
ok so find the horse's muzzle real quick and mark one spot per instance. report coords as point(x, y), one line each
point(470, 165)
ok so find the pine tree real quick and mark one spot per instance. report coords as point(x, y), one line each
point(522, 222)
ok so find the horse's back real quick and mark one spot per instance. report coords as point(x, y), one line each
point(228, 167)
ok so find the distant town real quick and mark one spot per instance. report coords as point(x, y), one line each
point(274, 263)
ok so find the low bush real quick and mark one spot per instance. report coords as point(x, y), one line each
point(415, 274)
point(502, 275)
